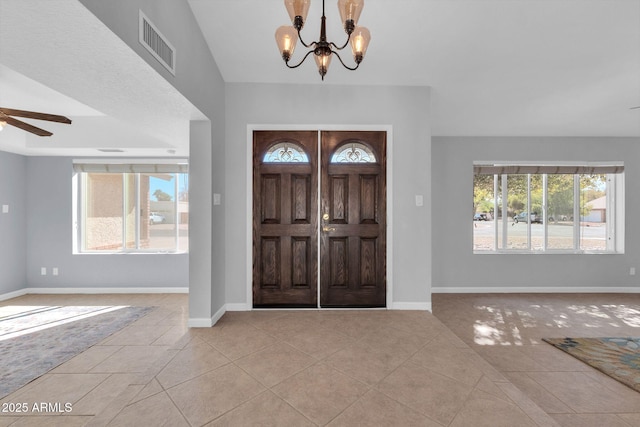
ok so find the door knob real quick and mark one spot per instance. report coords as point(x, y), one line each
point(325, 228)
point(325, 217)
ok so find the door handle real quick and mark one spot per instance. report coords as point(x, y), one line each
point(325, 228)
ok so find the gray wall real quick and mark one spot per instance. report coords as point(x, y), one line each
point(13, 225)
point(406, 109)
point(455, 265)
point(49, 241)
point(199, 80)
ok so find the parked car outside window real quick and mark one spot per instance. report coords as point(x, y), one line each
point(480, 217)
point(522, 217)
point(156, 218)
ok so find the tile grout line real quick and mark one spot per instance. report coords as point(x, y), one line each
point(139, 382)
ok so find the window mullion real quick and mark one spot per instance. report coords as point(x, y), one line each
point(576, 212)
point(137, 210)
point(610, 212)
point(124, 213)
point(495, 212)
point(176, 219)
point(545, 214)
point(83, 211)
point(505, 214)
point(529, 211)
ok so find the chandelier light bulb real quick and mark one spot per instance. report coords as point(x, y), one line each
point(298, 10)
point(359, 42)
point(2, 125)
point(350, 11)
point(323, 62)
point(286, 38)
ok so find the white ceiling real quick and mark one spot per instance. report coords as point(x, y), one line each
point(57, 57)
point(495, 67)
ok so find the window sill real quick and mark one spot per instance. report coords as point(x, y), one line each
point(548, 252)
point(134, 253)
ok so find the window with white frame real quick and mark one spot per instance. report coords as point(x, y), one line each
point(533, 208)
point(127, 207)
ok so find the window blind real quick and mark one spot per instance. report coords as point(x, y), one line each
point(131, 167)
point(480, 169)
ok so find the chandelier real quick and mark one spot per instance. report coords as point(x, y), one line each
point(358, 37)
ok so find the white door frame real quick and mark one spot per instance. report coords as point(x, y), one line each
point(249, 200)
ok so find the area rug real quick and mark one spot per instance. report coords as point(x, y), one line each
point(617, 357)
point(34, 340)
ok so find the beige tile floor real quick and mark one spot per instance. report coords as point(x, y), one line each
point(506, 331)
point(290, 368)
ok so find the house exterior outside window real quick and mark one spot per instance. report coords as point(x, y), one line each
point(550, 208)
point(131, 208)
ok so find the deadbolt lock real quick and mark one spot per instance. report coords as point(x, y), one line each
point(325, 217)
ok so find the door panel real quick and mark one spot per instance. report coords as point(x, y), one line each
point(353, 223)
point(368, 198)
point(271, 189)
point(285, 220)
point(339, 261)
point(301, 198)
point(339, 199)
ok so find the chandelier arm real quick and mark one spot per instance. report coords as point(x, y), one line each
point(344, 45)
point(300, 63)
point(303, 43)
point(343, 64)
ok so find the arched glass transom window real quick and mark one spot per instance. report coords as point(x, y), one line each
point(353, 152)
point(286, 152)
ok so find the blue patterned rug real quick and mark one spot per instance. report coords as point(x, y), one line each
point(617, 357)
point(34, 340)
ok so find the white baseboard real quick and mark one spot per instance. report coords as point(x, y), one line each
point(155, 290)
point(218, 314)
point(14, 294)
point(239, 307)
point(537, 290)
point(57, 291)
point(207, 323)
point(411, 306)
point(200, 323)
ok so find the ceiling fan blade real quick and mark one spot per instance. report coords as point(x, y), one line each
point(35, 115)
point(634, 108)
point(25, 126)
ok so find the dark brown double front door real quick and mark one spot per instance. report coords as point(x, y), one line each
point(331, 204)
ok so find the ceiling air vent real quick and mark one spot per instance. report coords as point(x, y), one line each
point(157, 44)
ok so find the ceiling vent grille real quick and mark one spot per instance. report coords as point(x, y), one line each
point(157, 44)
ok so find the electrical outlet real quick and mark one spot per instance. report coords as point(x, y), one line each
point(43, 271)
point(632, 271)
point(54, 271)
point(5, 208)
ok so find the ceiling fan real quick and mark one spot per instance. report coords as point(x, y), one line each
point(7, 119)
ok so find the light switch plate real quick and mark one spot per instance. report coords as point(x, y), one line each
point(217, 198)
point(419, 200)
point(5, 208)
